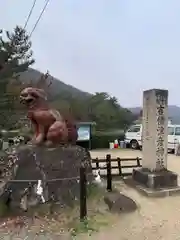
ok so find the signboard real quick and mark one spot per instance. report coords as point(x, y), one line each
point(84, 133)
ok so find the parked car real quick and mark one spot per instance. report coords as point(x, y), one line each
point(133, 136)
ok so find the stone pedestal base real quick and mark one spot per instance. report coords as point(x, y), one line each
point(160, 184)
point(49, 165)
point(155, 180)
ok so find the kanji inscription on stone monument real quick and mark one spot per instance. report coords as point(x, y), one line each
point(155, 121)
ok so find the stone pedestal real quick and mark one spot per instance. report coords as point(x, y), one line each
point(155, 180)
point(50, 165)
point(154, 174)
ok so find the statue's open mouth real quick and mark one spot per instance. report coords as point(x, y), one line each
point(30, 100)
point(26, 101)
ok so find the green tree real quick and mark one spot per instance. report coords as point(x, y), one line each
point(100, 108)
point(107, 113)
point(15, 57)
point(15, 53)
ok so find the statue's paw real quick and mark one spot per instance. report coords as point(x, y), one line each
point(30, 143)
point(48, 143)
point(34, 142)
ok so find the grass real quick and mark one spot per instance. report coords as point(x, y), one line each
point(88, 226)
point(98, 214)
point(67, 219)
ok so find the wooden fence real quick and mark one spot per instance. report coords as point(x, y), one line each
point(108, 167)
point(122, 163)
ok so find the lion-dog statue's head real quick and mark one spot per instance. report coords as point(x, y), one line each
point(32, 96)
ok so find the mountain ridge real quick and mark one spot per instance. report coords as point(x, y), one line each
point(57, 86)
point(173, 113)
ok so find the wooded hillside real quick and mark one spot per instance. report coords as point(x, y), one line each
point(16, 73)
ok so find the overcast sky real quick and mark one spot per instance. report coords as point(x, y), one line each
point(118, 46)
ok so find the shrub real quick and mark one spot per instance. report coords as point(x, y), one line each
point(102, 141)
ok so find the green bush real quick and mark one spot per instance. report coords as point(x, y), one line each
point(102, 141)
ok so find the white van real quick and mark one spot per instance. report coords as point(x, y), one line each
point(133, 136)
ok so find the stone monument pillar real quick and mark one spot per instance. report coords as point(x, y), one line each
point(154, 173)
point(155, 122)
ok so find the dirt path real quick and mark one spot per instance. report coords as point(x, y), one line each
point(173, 161)
point(155, 218)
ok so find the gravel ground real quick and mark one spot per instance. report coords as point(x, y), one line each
point(26, 229)
point(157, 218)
